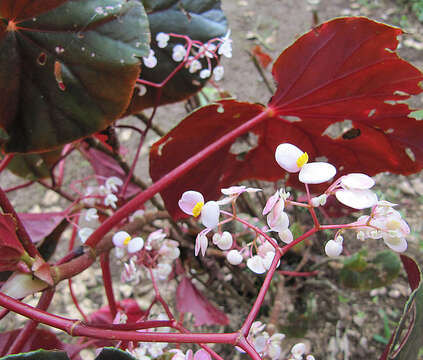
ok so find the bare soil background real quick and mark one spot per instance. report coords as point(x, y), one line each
point(335, 323)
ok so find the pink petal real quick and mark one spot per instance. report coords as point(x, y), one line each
point(188, 200)
point(271, 203)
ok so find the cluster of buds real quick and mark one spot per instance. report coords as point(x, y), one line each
point(200, 55)
point(157, 253)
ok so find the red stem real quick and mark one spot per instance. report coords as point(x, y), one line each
point(21, 232)
point(108, 284)
point(20, 341)
point(75, 301)
point(170, 177)
point(6, 160)
point(18, 187)
point(298, 273)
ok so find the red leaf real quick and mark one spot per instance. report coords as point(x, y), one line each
point(105, 166)
point(129, 306)
point(263, 58)
point(344, 72)
point(190, 299)
point(39, 339)
point(38, 226)
point(11, 249)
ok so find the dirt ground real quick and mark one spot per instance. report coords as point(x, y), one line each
point(336, 323)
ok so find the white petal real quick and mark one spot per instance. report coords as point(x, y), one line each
point(298, 349)
point(267, 260)
point(233, 190)
point(210, 214)
point(286, 156)
point(188, 200)
point(277, 219)
point(398, 244)
point(357, 181)
point(357, 199)
point(333, 248)
point(234, 257)
point(84, 233)
point(119, 238)
point(136, 244)
point(316, 173)
point(199, 243)
point(271, 203)
point(225, 241)
point(286, 236)
point(255, 264)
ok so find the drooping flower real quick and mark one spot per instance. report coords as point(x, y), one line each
point(234, 257)
point(225, 47)
point(178, 52)
point(150, 61)
point(194, 66)
point(355, 191)
point(218, 72)
point(123, 240)
point(292, 159)
point(205, 73)
point(162, 39)
point(233, 192)
point(386, 223)
point(333, 248)
point(223, 241)
point(111, 200)
point(91, 214)
point(84, 233)
point(192, 203)
point(112, 184)
point(277, 219)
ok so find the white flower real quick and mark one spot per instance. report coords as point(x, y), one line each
point(150, 61)
point(84, 233)
point(207, 50)
point(194, 66)
point(162, 271)
point(224, 241)
point(298, 350)
point(205, 73)
point(162, 39)
point(233, 192)
point(201, 243)
point(234, 257)
point(192, 203)
point(319, 200)
point(355, 191)
point(333, 248)
point(277, 219)
point(91, 214)
point(286, 236)
point(260, 264)
point(292, 159)
point(112, 184)
point(218, 72)
point(178, 52)
point(122, 239)
point(110, 200)
point(225, 47)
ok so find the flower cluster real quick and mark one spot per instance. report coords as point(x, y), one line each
point(157, 253)
point(199, 54)
point(107, 193)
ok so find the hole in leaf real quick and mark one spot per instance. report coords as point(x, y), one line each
point(58, 75)
point(42, 59)
point(290, 118)
point(220, 109)
point(351, 134)
point(410, 154)
point(336, 130)
point(389, 131)
point(371, 113)
point(243, 145)
point(401, 93)
point(321, 158)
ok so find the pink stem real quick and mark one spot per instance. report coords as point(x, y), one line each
point(20, 341)
point(170, 177)
point(108, 284)
point(18, 187)
point(6, 160)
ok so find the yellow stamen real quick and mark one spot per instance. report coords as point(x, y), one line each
point(302, 160)
point(196, 211)
point(127, 240)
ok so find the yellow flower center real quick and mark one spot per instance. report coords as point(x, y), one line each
point(197, 208)
point(302, 160)
point(127, 240)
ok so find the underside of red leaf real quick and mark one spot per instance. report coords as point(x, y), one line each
point(190, 299)
point(338, 98)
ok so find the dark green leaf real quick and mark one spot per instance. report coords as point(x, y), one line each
point(34, 166)
point(114, 354)
point(362, 272)
point(199, 19)
point(38, 355)
point(69, 72)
